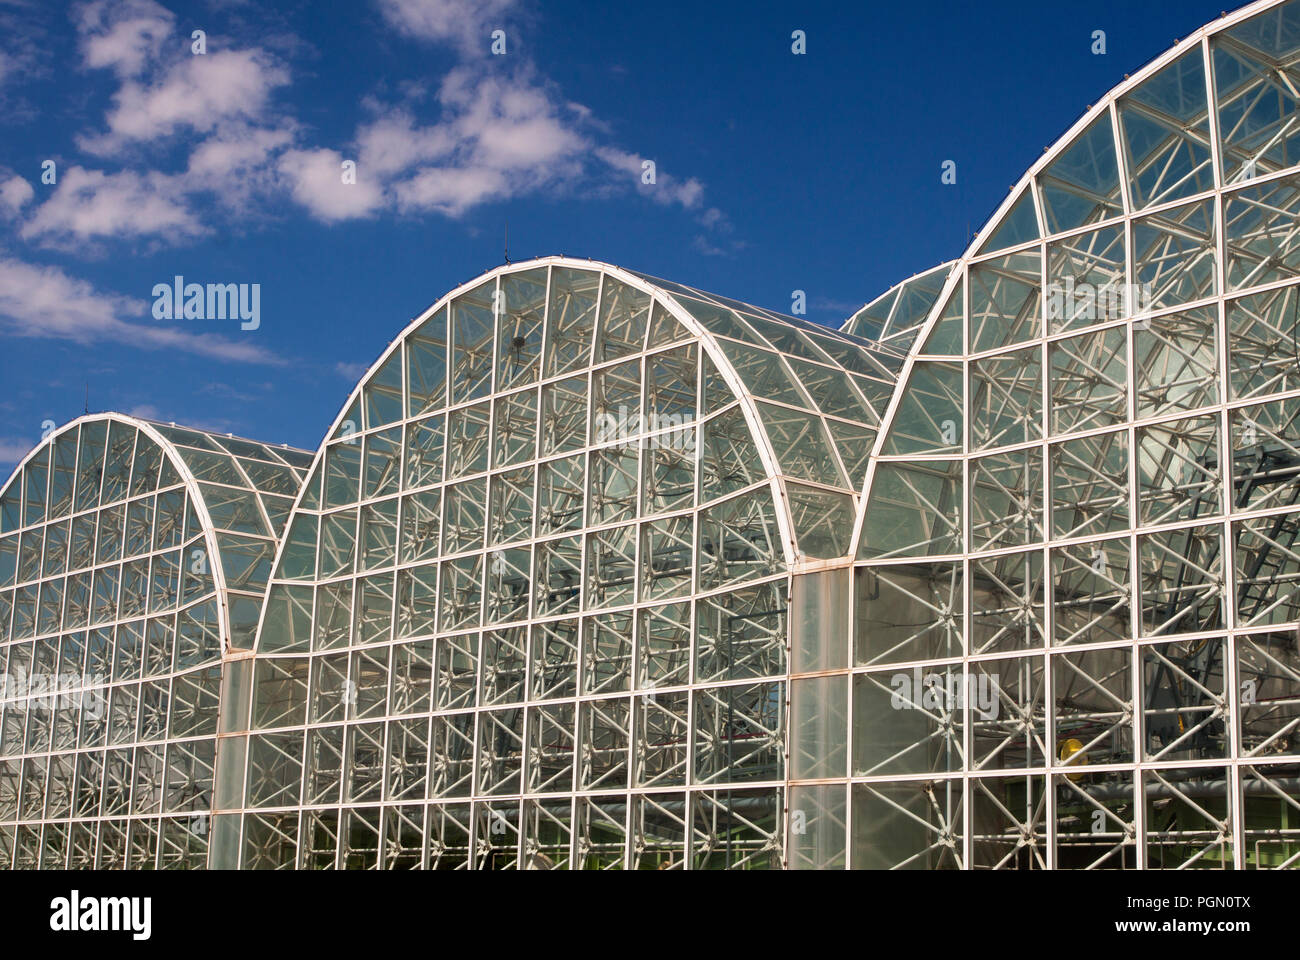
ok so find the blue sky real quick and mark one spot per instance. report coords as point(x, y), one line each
point(774, 171)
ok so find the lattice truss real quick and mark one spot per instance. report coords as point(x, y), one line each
point(1078, 582)
point(132, 555)
point(530, 611)
point(532, 607)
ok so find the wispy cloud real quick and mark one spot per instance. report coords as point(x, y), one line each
point(506, 137)
point(190, 145)
point(122, 35)
point(12, 451)
point(42, 301)
point(216, 107)
point(498, 135)
point(665, 188)
point(196, 93)
point(467, 24)
point(351, 371)
point(91, 205)
point(494, 129)
point(15, 193)
point(316, 182)
point(23, 42)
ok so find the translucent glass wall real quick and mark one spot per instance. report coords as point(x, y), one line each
point(598, 571)
point(897, 315)
point(1074, 609)
point(531, 607)
point(131, 556)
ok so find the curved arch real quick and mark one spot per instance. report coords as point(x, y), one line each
point(633, 280)
point(878, 366)
point(402, 571)
point(157, 433)
point(896, 316)
point(1104, 542)
point(117, 608)
point(1023, 209)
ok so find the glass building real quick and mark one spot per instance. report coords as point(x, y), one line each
point(133, 557)
point(598, 571)
point(531, 608)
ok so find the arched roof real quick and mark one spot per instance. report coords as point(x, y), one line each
point(895, 317)
point(1213, 113)
point(237, 495)
point(810, 396)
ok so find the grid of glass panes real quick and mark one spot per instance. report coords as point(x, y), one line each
point(1074, 639)
point(896, 317)
point(818, 396)
point(247, 489)
point(534, 611)
point(111, 656)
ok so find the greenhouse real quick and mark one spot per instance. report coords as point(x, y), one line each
point(134, 557)
point(539, 574)
point(594, 570)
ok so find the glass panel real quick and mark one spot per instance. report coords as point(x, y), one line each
point(1082, 185)
point(472, 324)
point(1256, 87)
point(1004, 300)
point(1018, 225)
point(913, 510)
point(571, 319)
point(929, 417)
point(1260, 227)
point(426, 371)
point(522, 310)
point(1175, 257)
point(1166, 131)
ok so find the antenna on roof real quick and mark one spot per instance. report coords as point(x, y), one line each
point(86, 406)
point(507, 250)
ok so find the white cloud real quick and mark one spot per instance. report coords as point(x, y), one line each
point(316, 181)
point(498, 137)
point(508, 124)
point(37, 301)
point(495, 137)
point(497, 131)
point(91, 204)
point(236, 165)
point(702, 244)
point(12, 451)
point(123, 35)
point(666, 189)
point(351, 371)
point(393, 143)
point(26, 55)
point(223, 97)
point(199, 93)
point(450, 190)
point(468, 24)
point(15, 193)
